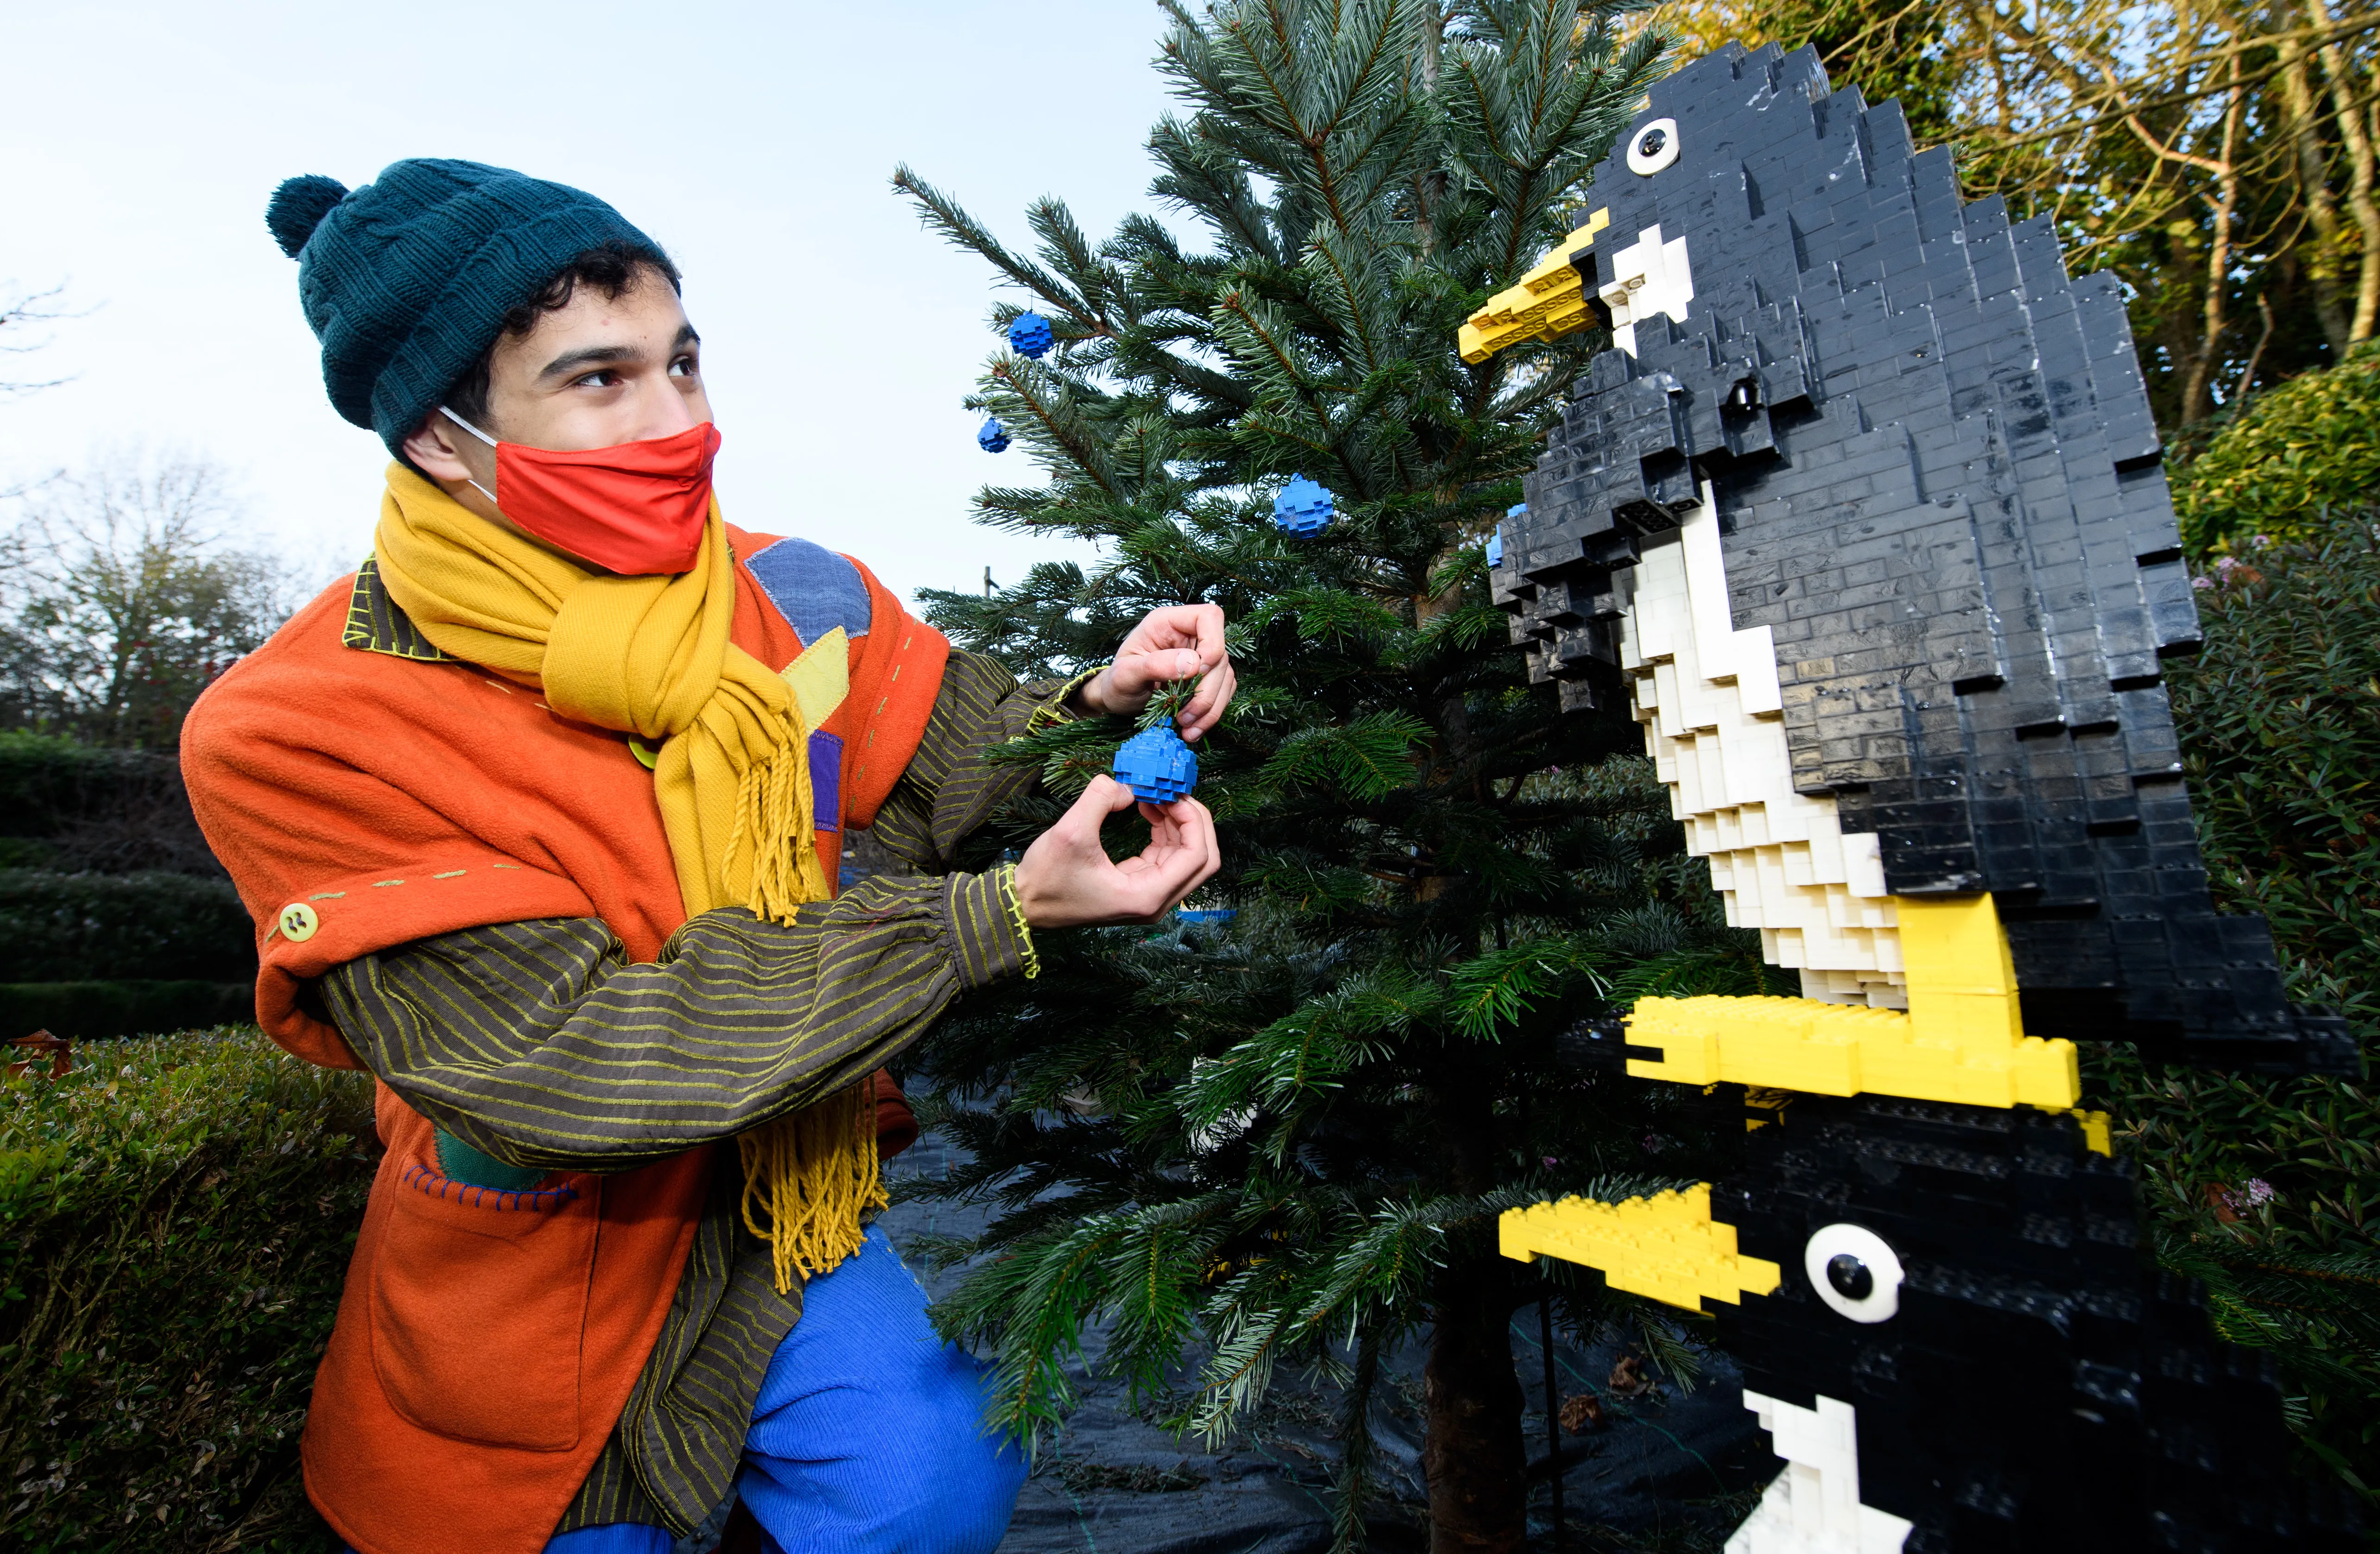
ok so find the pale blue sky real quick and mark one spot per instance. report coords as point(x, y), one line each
point(753, 140)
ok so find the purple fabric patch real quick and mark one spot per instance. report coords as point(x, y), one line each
point(826, 781)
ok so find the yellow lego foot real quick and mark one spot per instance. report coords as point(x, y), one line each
point(1666, 1247)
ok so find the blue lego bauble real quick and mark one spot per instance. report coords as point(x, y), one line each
point(1303, 508)
point(1029, 336)
point(992, 439)
point(1156, 765)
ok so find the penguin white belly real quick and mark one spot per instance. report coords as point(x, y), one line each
point(1713, 724)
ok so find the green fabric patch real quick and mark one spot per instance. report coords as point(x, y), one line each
point(376, 625)
point(458, 1161)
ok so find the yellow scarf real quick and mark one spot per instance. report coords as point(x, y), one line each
point(650, 657)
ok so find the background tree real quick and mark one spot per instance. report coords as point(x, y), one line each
point(20, 314)
point(121, 601)
point(1287, 1140)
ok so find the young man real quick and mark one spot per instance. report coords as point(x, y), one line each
point(537, 814)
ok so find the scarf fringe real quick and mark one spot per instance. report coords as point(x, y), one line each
point(808, 1177)
point(775, 801)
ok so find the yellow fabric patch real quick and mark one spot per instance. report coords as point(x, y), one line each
point(820, 678)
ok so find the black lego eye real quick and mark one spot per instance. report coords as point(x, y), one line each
point(1653, 148)
point(1855, 1272)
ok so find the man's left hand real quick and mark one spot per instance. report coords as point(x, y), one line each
point(1179, 642)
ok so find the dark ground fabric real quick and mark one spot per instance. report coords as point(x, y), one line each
point(511, 1038)
point(1672, 1470)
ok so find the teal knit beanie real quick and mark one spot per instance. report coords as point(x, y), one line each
point(408, 280)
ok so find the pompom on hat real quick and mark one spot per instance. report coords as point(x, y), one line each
point(407, 279)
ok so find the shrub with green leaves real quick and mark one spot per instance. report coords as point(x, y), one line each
point(2306, 449)
point(2268, 1190)
point(176, 1218)
point(72, 807)
point(68, 927)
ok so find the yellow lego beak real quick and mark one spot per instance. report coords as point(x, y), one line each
point(1666, 1247)
point(1549, 301)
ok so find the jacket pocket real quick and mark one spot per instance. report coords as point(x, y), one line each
point(478, 1306)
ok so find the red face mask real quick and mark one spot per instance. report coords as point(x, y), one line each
point(635, 508)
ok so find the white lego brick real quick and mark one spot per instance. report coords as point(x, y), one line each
point(1814, 1506)
point(1779, 858)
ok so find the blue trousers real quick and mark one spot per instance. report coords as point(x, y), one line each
point(868, 1435)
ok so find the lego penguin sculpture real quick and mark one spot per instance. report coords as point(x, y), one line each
point(1866, 511)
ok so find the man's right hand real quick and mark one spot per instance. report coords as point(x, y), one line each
point(1068, 880)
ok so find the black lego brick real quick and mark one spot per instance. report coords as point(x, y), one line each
point(1939, 473)
point(1938, 485)
point(2042, 1387)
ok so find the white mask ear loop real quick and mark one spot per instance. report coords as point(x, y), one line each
point(483, 437)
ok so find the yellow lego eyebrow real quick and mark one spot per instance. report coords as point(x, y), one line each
point(1549, 301)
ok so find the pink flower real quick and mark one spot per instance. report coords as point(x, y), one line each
point(2202, 582)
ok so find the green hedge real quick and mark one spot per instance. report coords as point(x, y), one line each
point(2268, 1190)
point(72, 807)
point(87, 1011)
point(2309, 447)
point(46, 781)
point(75, 928)
point(176, 1218)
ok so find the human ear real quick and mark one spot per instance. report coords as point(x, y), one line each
point(433, 449)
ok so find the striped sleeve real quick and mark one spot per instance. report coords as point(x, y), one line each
point(950, 789)
point(539, 1044)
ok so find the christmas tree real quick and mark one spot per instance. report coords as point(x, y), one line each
point(1285, 1137)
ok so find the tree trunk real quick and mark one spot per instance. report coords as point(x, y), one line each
point(2347, 113)
point(2313, 181)
point(1431, 186)
point(2197, 392)
point(1473, 1453)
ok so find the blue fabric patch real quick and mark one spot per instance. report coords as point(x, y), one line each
point(814, 589)
point(826, 781)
